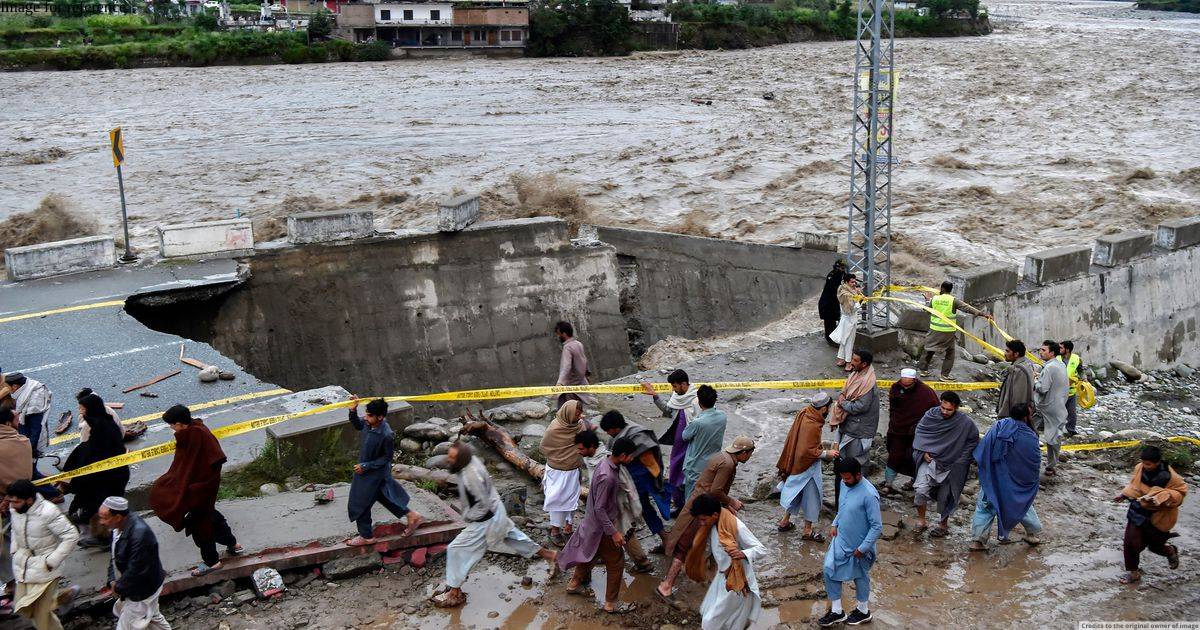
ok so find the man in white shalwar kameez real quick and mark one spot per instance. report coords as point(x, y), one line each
point(488, 527)
point(726, 607)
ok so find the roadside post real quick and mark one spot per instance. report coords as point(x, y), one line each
point(118, 156)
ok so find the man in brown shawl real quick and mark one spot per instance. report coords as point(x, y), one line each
point(1017, 386)
point(560, 484)
point(799, 467)
point(185, 497)
point(908, 400)
point(1154, 495)
point(717, 479)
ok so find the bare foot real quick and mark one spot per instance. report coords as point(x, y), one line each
point(414, 521)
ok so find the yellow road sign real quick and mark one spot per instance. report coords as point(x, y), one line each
point(118, 146)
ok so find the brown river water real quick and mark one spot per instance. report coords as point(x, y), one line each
point(1073, 119)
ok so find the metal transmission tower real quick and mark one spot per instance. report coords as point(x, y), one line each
point(870, 233)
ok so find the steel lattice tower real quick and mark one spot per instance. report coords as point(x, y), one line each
point(870, 231)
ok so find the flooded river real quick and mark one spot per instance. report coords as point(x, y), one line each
point(1074, 118)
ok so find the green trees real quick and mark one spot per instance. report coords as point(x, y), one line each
point(572, 28)
point(320, 26)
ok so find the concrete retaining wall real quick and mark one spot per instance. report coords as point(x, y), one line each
point(317, 227)
point(59, 257)
point(228, 237)
point(697, 287)
point(1143, 311)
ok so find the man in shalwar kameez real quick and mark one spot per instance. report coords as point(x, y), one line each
point(681, 408)
point(851, 550)
point(942, 448)
point(799, 467)
point(373, 482)
point(732, 601)
point(488, 527)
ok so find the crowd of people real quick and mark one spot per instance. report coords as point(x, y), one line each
point(684, 498)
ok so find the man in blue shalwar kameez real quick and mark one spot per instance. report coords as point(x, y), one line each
point(852, 539)
point(373, 482)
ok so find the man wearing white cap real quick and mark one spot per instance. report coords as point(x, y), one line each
point(799, 467)
point(135, 574)
point(908, 400)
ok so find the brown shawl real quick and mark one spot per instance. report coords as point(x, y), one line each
point(558, 443)
point(907, 406)
point(192, 481)
point(803, 444)
point(696, 564)
point(1163, 502)
point(858, 384)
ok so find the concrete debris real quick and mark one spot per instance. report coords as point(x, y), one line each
point(425, 431)
point(226, 376)
point(209, 374)
point(243, 597)
point(343, 568)
point(267, 582)
point(455, 214)
point(269, 489)
point(224, 589)
point(409, 445)
point(324, 497)
point(533, 432)
point(1131, 373)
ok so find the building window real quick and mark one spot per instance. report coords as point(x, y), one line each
point(435, 15)
point(385, 15)
point(456, 36)
point(480, 36)
point(516, 36)
point(505, 36)
point(408, 14)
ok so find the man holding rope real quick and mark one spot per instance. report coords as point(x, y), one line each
point(942, 336)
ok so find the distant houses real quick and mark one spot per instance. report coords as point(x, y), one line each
point(490, 26)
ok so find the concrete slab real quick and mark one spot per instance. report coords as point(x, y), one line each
point(1178, 234)
point(1059, 263)
point(229, 237)
point(824, 242)
point(288, 530)
point(59, 257)
point(980, 284)
point(307, 435)
point(1118, 249)
point(877, 341)
point(456, 213)
point(316, 227)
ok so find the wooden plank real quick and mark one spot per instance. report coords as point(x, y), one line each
point(152, 381)
point(194, 363)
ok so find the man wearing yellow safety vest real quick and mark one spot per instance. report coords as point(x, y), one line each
point(1067, 352)
point(942, 336)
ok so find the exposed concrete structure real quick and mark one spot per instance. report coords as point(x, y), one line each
point(317, 227)
point(456, 213)
point(697, 287)
point(1178, 234)
point(825, 242)
point(303, 436)
point(1118, 249)
point(983, 283)
point(59, 257)
point(1059, 263)
point(231, 237)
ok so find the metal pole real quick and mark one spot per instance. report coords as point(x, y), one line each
point(128, 256)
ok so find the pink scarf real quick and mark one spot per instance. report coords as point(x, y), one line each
point(858, 384)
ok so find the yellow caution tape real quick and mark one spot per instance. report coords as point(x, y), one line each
point(148, 453)
point(196, 407)
point(66, 309)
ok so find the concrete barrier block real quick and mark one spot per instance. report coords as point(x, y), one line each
point(1059, 263)
point(1118, 249)
point(823, 242)
point(980, 284)
point(231, 236)
point(59, 257)
point(300, 439)
point(317, 227)
point(456, 213)
point(1178, 234)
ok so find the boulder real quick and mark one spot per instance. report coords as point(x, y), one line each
point(226, 376)
point(209, 374)
point(533, 432)
point(532, 409)
point(354, 566)
point(438, 462)
point(442, 448)
point(441, 422)
point(1183, 371)
point(1131, 373)
point(453, 429)
point(1105, 435)
point(269, 489)
point(409, 445)
point(425, 431)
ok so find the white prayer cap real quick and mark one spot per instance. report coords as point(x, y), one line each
point(117, 504)
point(908, 373)
point(820, 399)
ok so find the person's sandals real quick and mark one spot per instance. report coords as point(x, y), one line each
point(1050, 472)
point(235, 550)
point(977, 546)
point(557, 539)
point(920, 529)
point(203, 569)
point(583, 590)
point(621, 608)
point(412, 525)
point(449, 602)
point(1131, 577)
point(1172, 556)
point(786, 528)
point(359, 541)
point(647, 567)
point(814, 536)
point(939, 532)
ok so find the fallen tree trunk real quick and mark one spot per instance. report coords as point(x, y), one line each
point(504, 444)
point(404, 472)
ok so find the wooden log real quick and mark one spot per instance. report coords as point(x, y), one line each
point(404, 472)
point(156, 379)
point(500, 440)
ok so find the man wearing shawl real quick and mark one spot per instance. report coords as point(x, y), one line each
point(851, 550)
point(1009, 459)
point(908, 400)
point(681, 407)
point(572, 364)
point(105, 439)
point(1052, 390)
point(32, 400)
point(1017, 386)
point(646, 470)
point(1154, 496)
point(847, 328)
point(629, 506)
point(598, 538)
point(185, 497)
point(855, 414)
point(716, 480)
point(799, 467)
point(560, 484)
point(732, 601)
point(488, 527)
point(945, 439)
point(373, 482)
point(827, 306)
point(704, 435)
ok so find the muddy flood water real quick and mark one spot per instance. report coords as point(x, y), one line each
point(1074, 118)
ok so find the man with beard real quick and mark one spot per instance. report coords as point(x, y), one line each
point(1052, 390)
point(1154, 495)
point(908, 400)
point(1017, 386)
point(42, 538)
point(682, 407)
point(799, 467)
point(488, 527)
point(646, 470)
point(945, 439)
point(851, 550)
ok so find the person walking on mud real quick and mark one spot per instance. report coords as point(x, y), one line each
point(373, 482)
point(561, 480)
point(1050, 389)
point(572, 364)
point(942, 449)
point(1154, 495)
point(943, 336)
point(855, 414)
point(827, 307)
point(908, 400)
point(851, 552)
point(1009, 460)
point(799, 467)
point(681, 408)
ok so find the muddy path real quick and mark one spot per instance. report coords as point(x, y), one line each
point(1068, 122)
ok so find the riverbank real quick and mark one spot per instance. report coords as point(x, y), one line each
point(1183, 6)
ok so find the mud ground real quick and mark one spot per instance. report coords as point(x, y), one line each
point(918, 581)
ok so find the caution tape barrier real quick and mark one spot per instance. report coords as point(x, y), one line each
point(151, 452)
